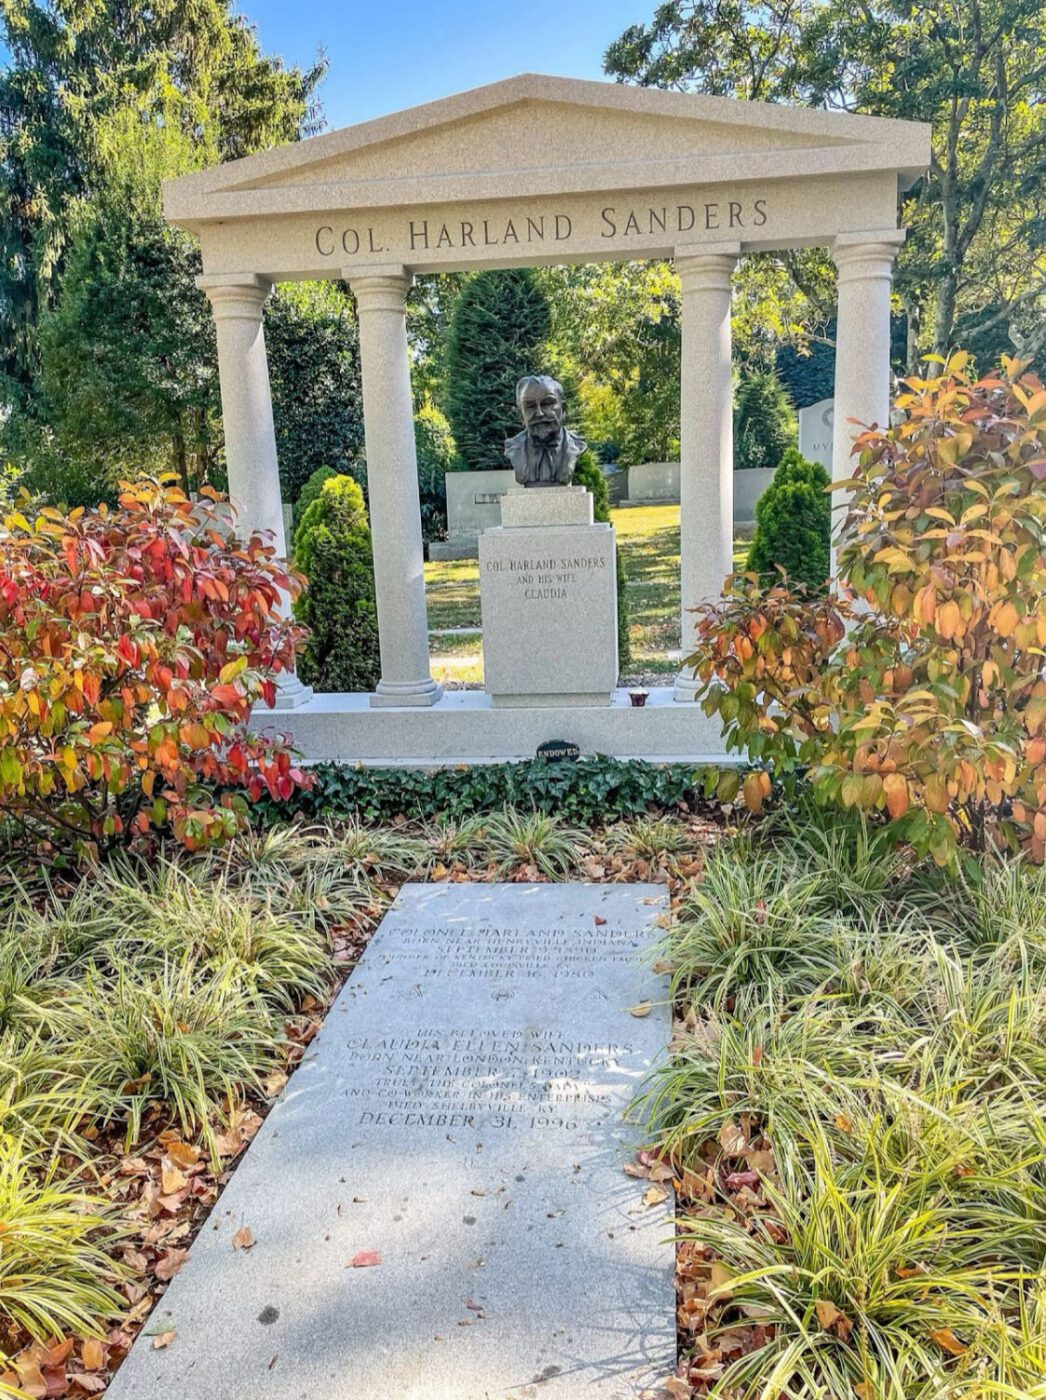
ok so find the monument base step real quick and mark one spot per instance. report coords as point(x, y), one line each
point(464, 727)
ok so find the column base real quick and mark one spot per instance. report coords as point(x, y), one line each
point(290, 693)
point(393, 694)
point(686, 687)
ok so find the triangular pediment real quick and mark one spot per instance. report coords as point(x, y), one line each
point(537, 135)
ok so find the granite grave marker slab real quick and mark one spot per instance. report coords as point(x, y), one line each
point(460, 1117)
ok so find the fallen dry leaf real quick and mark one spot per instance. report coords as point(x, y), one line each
point(243, 1238)
point(93, 1354)
point(365, 1259)
point(732, 1140)
point(598, 919)
point(946, 1338)
point(643, 1009)
point(172, 1179)
point(654, 1195)
point(169, 1264)
point(164, 1339)
point(676, 1388)
point(833, 1319)
point(182, 1154)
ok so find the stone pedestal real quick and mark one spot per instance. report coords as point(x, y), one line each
point(548, 591)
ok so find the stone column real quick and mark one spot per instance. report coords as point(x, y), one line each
point(392, 479)
point(706, 448)
point(862, 347)
point(238, 301)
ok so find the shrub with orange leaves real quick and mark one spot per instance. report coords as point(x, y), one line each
point(134, 642)
point(917, 689)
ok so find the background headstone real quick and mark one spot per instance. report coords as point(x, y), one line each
point(815, 432)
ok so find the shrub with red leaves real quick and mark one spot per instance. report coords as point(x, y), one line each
point(133, 644)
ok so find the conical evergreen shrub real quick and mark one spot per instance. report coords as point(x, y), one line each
point(332, 547)
point(793, 523)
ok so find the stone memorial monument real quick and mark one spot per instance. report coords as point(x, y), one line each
point(548, 577)
point(620, 173)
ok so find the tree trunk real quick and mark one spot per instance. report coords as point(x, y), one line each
point(181, 465)
point(944, 321)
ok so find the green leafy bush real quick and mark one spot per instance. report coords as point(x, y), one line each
point(765, 425)
point(436, 454)
point(793, 520)
point(332, 548)
point(587, 474)
point(317, 403)
point(498, 332)
point(592, 791)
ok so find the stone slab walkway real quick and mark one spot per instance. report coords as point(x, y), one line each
point(459, 1118)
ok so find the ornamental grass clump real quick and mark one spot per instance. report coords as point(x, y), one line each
point(752, 922)
point(454, 842)
point(865, 1286)
point(650, 838)
point(184, 1037)
point(516, 838)
point(170, 911)
point(56, 1272)
point(295, 871)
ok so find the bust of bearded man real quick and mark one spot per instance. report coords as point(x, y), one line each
point(545, 452)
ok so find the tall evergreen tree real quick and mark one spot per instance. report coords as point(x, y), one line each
point(765, 425)
point(71, 69)
point(498, 333)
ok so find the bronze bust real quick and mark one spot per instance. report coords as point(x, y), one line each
point(544, 453)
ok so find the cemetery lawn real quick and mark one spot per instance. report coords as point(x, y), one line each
point(648, 537)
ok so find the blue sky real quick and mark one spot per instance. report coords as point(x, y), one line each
point(388, 54)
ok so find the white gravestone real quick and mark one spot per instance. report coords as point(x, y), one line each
point(458, 1122)
point(548, 594)
point(815, 432)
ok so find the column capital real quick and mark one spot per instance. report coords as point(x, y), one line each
point(380, 288)
point(868, 254)
point(236, 294)
point(706, 267)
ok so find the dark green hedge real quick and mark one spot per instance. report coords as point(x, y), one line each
point(589, 792)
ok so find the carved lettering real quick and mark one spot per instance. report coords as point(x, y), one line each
point(640, 223)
